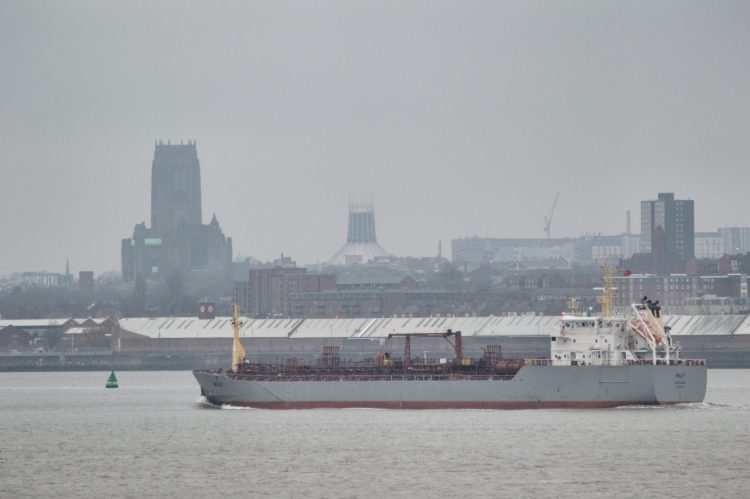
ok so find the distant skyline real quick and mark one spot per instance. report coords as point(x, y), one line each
point(462, 118)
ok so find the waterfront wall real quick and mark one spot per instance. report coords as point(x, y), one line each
point(719, 352)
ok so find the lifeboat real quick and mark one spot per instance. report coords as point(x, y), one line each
point(647, 333)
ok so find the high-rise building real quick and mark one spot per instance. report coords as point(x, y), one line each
point(670, 218)
point(177, 240)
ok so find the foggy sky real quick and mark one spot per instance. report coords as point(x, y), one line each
point(461, 118)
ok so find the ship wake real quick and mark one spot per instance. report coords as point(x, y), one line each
point(685, 407)
point(204, 403)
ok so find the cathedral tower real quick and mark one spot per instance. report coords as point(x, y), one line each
point(177, 242)
point(175, 187)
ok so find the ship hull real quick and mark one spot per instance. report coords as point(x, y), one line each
point(533, 387)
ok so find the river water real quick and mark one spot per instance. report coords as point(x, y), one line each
point(65, 435)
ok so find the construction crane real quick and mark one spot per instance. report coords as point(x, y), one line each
point(548, 218)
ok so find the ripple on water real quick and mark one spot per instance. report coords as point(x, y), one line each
point(159, 442)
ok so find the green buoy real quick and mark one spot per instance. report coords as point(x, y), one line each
point(112, 381)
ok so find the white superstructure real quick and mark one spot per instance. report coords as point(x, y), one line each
point(614, 340)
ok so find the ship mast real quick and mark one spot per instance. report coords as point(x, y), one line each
point(573, 306)
point(238, 352)
point(608, 291)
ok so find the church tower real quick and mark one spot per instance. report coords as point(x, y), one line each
point(177, 242)
point(175, 187)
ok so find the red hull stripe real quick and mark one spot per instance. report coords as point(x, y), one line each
point(592, 404)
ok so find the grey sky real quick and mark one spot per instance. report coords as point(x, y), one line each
point(461, 117)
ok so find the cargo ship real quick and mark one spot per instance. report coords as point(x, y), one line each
point(601, 361)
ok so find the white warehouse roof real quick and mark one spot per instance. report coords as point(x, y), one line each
point(221, 327)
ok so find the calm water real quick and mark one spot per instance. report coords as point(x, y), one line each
point(65, 435)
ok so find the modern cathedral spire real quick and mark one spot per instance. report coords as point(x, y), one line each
point(361, 243)
point(361, 220)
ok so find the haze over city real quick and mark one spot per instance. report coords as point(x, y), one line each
point(461, 118)
point(512, 235)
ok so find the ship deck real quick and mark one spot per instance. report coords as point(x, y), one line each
point(364, 377)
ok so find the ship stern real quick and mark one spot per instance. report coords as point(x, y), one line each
point(680, 384)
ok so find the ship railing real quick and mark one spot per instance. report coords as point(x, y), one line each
point(665, 362)
point(538, 362)
point(642, 362)
point(374, 377)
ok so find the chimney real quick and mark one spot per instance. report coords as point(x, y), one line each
point(627, 227)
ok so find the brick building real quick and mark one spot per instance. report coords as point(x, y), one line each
point(681, 293)
point(267, 291)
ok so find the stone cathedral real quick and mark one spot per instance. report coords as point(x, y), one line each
point(177, 240)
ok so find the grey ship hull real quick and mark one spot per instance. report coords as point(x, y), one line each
point(532, 387)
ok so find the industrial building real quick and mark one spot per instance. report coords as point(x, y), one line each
point(553, 252)
point(723, 241)
point(723, 340)
point(185, 342)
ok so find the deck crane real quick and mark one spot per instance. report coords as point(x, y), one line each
point(548, 218)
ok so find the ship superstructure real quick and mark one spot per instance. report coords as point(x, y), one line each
point(614, 339)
